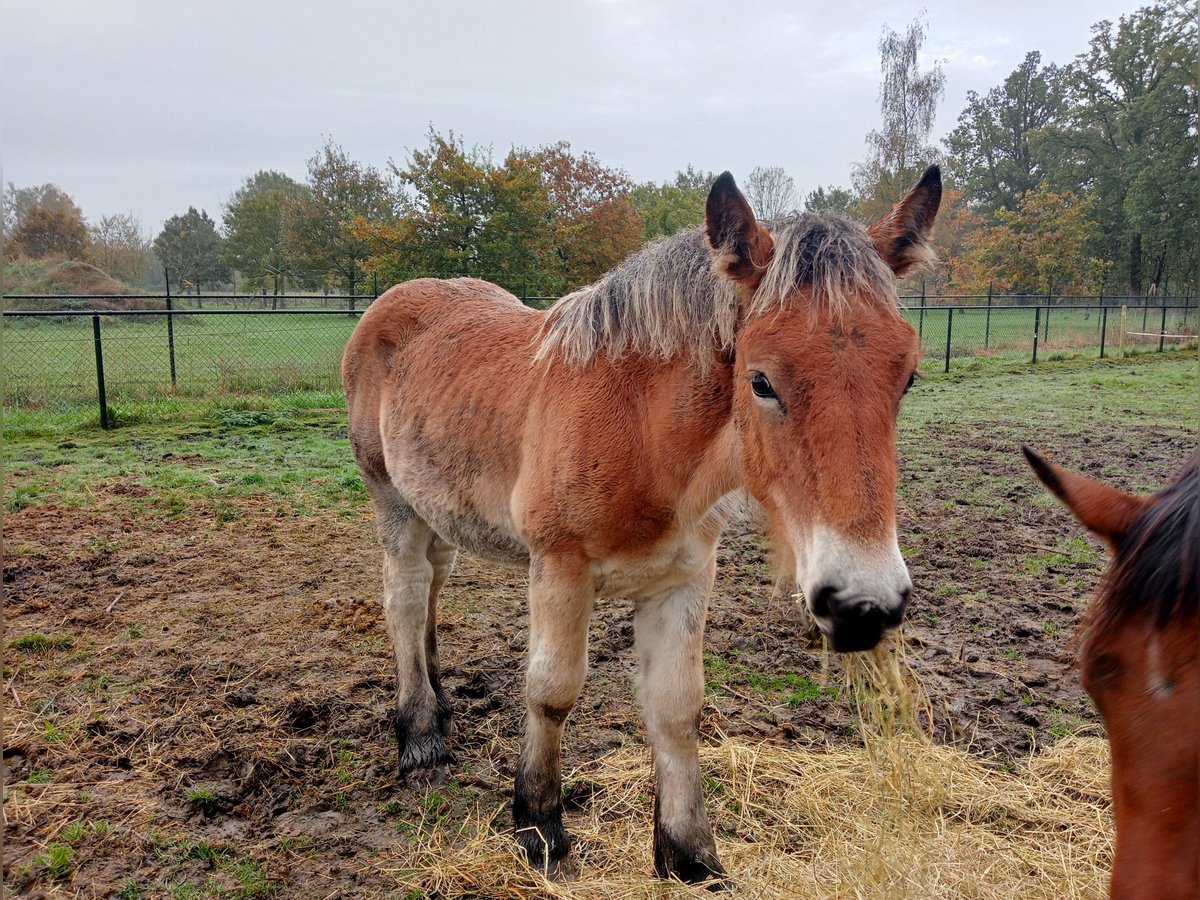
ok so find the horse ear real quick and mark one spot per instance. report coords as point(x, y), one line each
point(1107, 512)
point(902, 236)
point(741, 248)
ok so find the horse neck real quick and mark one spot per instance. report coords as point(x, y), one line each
point(691, 433)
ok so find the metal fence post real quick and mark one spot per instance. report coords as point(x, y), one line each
point(170, 327)
point(100, 373)
point(171, 339)
point(1103, 328)
point(1162, 330)
point(987, 324)
point(1037, 321)
point(1121, 333)
point(921, 315)
point(1049, 300)
point(949, 331)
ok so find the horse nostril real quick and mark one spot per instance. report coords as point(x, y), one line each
point(904, 595)
point(822, 601)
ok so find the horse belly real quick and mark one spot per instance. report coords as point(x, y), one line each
point(468, 515)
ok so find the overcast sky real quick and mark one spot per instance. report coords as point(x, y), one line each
point(151, 107)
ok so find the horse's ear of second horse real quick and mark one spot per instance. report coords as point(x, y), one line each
point(902, 236)
point(1104, 510)
point(741, 247)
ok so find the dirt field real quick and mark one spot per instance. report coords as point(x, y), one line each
point(197, 690)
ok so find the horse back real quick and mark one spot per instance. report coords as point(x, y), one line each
point(438, 378)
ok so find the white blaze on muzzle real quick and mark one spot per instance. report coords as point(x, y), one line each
point(842, 577)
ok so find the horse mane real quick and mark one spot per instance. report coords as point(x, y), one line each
point(1155, 572)
point(666, 301)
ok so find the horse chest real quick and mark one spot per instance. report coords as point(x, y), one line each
point(660, 568)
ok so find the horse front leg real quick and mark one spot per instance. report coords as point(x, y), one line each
point(669, 636)
point(560, 604)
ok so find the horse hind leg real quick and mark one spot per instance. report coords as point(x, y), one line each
point(409, 577)
point(441, 556)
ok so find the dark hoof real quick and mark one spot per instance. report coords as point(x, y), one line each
point(690, 862)
point(426, 752)
point(561, 870)
point(547, 848)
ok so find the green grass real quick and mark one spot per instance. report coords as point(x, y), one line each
point(50, 363)
point(41, 643)
point(201, 798)
point(57, 859)
point(297, 457)
point(1028, 402)
point(218, 454)
point(789, 688)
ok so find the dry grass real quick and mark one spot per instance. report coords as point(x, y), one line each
point(898, 817)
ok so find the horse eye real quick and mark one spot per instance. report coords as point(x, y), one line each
point(911, 379)
point(762, 387)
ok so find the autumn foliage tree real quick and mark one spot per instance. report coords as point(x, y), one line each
point(548, 211)
point(592, 219)
point(320, 225)
point(43, 221)
point(1040, 246)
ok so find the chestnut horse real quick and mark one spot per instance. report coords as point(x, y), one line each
point(603, 443)
point(1138, 659)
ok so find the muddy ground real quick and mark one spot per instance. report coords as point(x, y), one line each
point(208, 712)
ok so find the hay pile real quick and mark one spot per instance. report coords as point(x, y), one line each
point(899, 817)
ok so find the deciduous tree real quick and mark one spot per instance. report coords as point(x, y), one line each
point(320, 229)
point(771, 191)
point(1130, 141)
point(41, 221)
point(674, 205)
point(992, 151)
point(190, 249)
point(121, 248)
point(1043, 244)
point(594, 222)
point(255, 244)
point(908, 100)
point(829, 199)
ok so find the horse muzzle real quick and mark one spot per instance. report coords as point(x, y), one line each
point(853, 621)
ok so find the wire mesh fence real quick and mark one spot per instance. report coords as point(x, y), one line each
point(58, 359)
point(1049, 331)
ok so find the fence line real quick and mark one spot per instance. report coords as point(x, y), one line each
point(52, 358)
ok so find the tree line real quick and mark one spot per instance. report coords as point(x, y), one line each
point(1072, 178)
